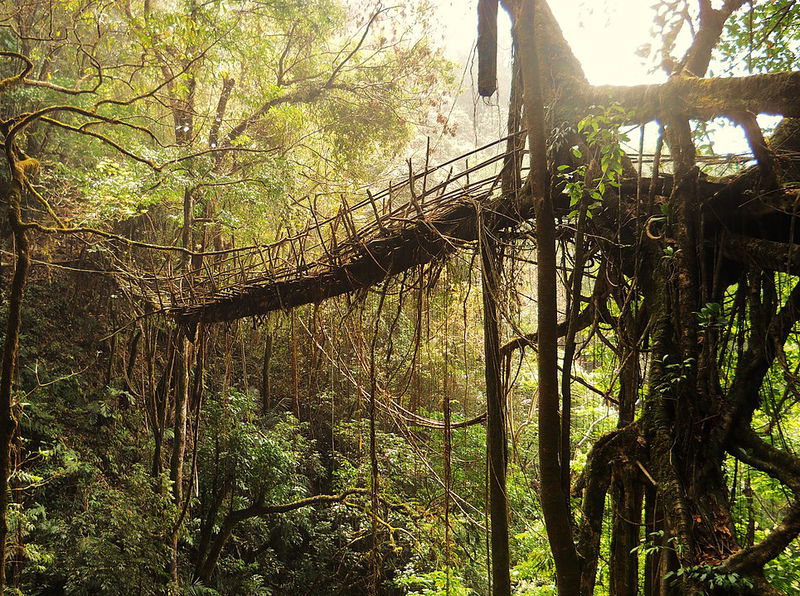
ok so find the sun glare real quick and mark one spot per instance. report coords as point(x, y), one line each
point(604, 36)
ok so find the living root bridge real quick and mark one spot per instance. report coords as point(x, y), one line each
point(412, 222)
point(425, 232)
point(712, 234)
point(421, 242)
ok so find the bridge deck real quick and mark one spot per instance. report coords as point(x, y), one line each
point(410, 222)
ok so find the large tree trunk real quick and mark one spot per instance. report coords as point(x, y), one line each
point(8, 420)
point(491, 266)
point(554, 471)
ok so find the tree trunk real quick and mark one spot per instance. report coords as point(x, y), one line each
point(627, 512)
point(266, 377)
point(293, 364)
point(182, 386)
point(555, 501)
point(496, 418)
point(8, 420)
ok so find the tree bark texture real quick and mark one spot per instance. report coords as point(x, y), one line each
point(491, 265)
point(554, 497)
point(8, 420)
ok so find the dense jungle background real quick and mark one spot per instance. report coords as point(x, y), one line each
point(249, 348)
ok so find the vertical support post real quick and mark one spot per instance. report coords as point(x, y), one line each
point(293, 366)
point(555, 502)
point(495, 420)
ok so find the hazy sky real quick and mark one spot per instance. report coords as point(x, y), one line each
point(603, 34)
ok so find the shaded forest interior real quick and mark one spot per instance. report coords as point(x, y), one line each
point(251, 349)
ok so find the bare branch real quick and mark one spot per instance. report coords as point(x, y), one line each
point(18, 78)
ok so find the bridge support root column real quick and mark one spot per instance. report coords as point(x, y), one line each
point(491, 264)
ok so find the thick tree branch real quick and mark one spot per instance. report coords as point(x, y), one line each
point(701, 99)
point(258, 509)
point(19, 78)
point(594, 482)
point(754, 364)
point(753, 559)
point(751, 449)
point(760, 148)
point(261, 509)
point(712, 23)
point(767, 255)
point(222, 103)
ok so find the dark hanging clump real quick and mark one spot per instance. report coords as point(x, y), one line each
point(487, 47)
